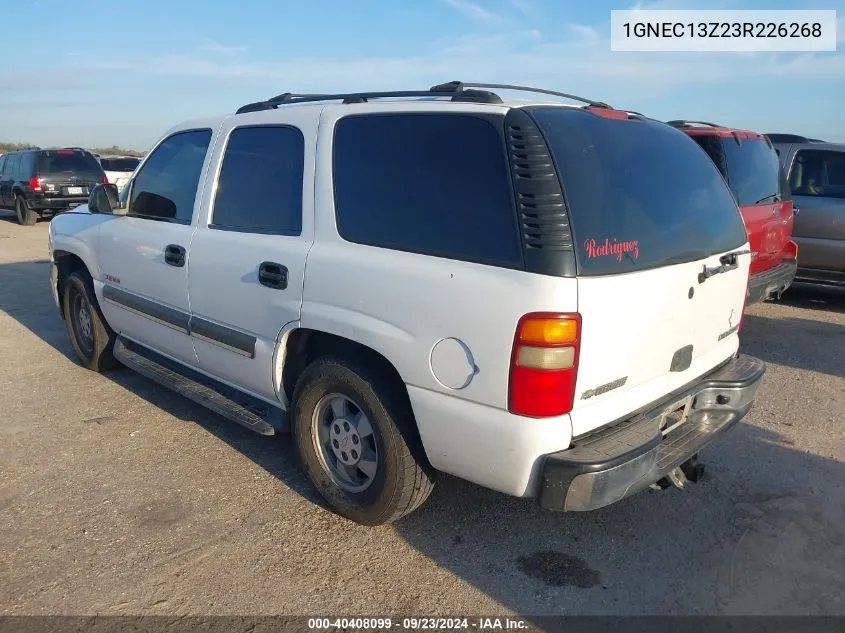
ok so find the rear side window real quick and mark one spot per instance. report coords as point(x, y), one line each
point(640, 193)
point(12, 167)
point(818, 173)
point(28, 165)
point(260, 185)
point(166, 186)
point(436, 184)
point(2, 164)
point(67, 160)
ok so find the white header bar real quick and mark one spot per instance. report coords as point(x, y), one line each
point(722, 31)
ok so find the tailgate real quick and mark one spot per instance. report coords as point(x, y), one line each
point(664, 329)
point(649, 213)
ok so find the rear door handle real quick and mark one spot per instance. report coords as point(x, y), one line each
point(273, 275)
point(174, 255)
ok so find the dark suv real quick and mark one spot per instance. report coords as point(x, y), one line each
point(36, 182)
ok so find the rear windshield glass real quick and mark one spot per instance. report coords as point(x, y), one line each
point(640, 193)
point(54, 161)
point(751, 167)
point(119, 164)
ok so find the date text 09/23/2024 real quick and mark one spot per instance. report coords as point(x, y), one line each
point(417, 624)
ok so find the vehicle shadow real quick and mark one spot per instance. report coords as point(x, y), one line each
point(775, 341)
point(815, 297)
point(762, 533)
point(25, 296)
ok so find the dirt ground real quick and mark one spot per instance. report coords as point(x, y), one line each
point(119, 497)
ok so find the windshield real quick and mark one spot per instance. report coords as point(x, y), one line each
point(640, 193)
point(66, 160)
point(120, 164)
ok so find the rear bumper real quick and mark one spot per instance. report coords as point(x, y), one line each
point(822, 277)
point(615, 462)
point(56, 204)
point(772, 282)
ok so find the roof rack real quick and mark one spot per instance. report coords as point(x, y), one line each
point(685, 123)
point(455, 90)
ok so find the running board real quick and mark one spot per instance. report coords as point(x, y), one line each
point(251, 413)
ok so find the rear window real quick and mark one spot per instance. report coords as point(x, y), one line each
point(751, 167)
point(640, 193)
point(55, 161)
point(119, 164)
point(753, 171)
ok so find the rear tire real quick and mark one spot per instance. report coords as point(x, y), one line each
point(377, 471)
point(90, 336)
point(26, 216)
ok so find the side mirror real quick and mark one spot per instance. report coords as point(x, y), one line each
point(104, 199)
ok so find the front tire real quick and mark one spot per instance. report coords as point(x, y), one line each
point(26, 216)
point(354, 430)
point(90, 336)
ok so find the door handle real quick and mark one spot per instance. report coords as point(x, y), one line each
point(174, 255)
point(273, 275)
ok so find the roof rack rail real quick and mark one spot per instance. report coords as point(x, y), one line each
point(685, 123)
point(362, 97)
point(458, 86)
point(455, 90)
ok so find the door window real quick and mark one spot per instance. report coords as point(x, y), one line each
point(819, 173)
point(260, 185)
point(166, 187)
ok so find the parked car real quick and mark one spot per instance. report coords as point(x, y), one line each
point(816, 173)
point(119, 169)
point(750, 166)
point(405, 286)
point(42, 182)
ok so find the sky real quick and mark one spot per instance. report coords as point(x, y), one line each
point(121, 72)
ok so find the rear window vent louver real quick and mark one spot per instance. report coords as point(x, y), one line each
point(543, 217)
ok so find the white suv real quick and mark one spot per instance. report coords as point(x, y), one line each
point(543, 299)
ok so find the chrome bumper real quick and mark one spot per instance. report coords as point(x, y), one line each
point(772, 282)
point(624, 458)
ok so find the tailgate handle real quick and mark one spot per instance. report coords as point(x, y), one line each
point(728, 262)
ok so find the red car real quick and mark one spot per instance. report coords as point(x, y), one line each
point(752, 170)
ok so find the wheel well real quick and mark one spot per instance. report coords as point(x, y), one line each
point(67, 263)
point(305, 345)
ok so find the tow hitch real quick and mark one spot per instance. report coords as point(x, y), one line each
point(690, 471)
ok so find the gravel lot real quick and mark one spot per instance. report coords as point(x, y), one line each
point(118, 497)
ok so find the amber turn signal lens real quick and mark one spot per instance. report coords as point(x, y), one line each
point(548, 331)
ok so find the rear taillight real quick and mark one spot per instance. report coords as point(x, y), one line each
point(790, 251)
point(35, 183)
point(544, 364)
point(105, 180)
